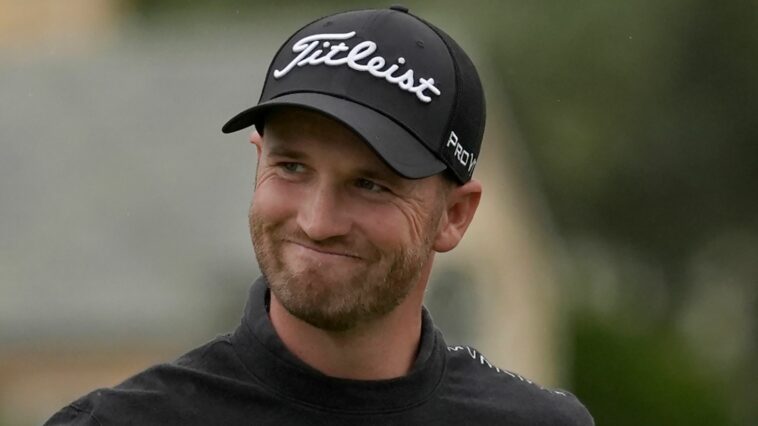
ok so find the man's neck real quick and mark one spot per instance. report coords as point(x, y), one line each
point(381, 349)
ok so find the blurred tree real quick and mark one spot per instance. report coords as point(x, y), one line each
point(638, 116)
point(642, 379)
point(638, 119)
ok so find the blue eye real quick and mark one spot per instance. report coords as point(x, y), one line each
point(292, 167)
point(369, 185)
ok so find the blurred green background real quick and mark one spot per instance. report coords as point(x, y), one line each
point(638, 137)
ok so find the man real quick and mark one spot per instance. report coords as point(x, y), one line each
point(368, 132)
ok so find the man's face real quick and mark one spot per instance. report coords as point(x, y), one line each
point(340, 237)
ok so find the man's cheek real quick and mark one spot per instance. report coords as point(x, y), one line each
point(271, 203)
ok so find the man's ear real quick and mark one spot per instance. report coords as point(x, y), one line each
point(257, 140)
point(462, 202)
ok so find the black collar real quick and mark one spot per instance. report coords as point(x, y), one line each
point(267, 359)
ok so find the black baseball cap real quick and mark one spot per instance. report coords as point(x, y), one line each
point(399, 82)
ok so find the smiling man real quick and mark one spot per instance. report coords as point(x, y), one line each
point(367, 133)
point(346, 244)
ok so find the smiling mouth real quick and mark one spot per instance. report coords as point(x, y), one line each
point(323, 251)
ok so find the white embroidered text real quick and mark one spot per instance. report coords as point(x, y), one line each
point(464, 157)
point(310, 54)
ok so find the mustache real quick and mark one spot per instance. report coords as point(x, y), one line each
point(326, 249)
point(338, 245)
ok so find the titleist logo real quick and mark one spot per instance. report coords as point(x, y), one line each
point(310, 54)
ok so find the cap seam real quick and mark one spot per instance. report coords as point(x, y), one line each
point(456, 101)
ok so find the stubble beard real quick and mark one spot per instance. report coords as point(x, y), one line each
point(310, 294)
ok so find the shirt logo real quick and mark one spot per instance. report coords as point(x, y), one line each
point(310, 54)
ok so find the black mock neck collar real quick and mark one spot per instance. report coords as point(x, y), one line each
point(265, 357)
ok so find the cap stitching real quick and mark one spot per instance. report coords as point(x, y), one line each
point(456, 102)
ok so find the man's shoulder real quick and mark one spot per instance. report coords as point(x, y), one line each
point(165, 389)
point(475, 381)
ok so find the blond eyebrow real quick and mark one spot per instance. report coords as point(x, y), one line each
point(284, 151)
point(373, 173)
point(384, 174)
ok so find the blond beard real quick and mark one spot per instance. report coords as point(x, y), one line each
point(340, 306)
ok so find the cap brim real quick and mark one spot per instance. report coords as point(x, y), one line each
point(402, 151)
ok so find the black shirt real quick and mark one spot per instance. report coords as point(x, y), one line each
point(249, 378)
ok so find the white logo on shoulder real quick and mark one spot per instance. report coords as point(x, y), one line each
point(476, 356)
point(310, 54)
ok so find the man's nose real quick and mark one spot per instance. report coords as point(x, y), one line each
point(323, 214)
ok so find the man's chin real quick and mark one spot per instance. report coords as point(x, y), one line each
point(331, 323)
point(310, 273)
point(321, 286)
point(318, 303)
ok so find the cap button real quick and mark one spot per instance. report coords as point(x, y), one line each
point(399, 8)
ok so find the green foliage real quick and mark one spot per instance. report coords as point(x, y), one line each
point(636, 378)
point(638, 118)
point(638, 115)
